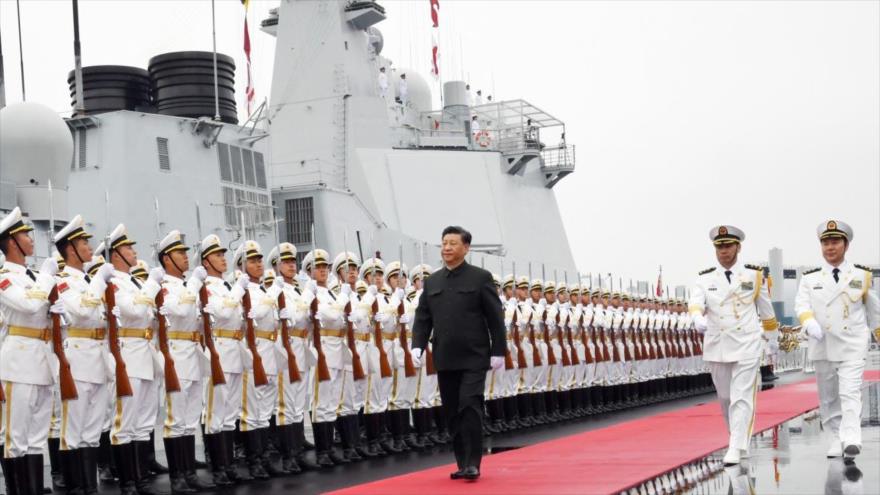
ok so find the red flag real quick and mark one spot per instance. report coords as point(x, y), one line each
point(249, 91)
point(660, 283)
point(435, 13)
point(435, 45)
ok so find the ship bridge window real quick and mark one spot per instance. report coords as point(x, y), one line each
point(225, 168)
point(237, 171)
point(261, 170)
point(164, 160)
point(248, 158)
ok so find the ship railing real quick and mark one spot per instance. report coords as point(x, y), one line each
point(558, 158)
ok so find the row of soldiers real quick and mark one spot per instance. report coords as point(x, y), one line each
point(93, 343)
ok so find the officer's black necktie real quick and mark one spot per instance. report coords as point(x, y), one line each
point(137, 284)
point(228, 287)
point(31, 274)
point(88, 278)
point(836, 273)
point(727, 274)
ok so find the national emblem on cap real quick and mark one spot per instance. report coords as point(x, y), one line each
point(595, 292)
point(316, 257)
point(247, 250)
point(507, 282)
point(73, 230)
point(549, 286)
point(119, 237)
point(13, 224)
point(561, 287)
point(522, 282)
point(575, 289)
point(419, 272)
point(834, 228)
point(536, 284)
point(346, 258)
point(269, 277)
point(211, 245)
point(282, 252)
point(171, 242)
point(726, 234)
point(361, 287)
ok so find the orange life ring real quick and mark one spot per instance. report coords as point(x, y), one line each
point(482, 138)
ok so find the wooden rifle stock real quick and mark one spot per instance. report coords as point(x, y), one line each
point(574, 355)
point(172, 382)
point(384, 366)
point(627, 355)
point(408, 368)
point(292, 368)
point(520, 354)
point(217, 376)
point(123, 384)
point(323, 369)
point(357, 368)
point(65, 378)
point(588, 356)
point(605, 354)
point(636, 345)
point(615, 353)
point(508, 357)
point(551, 356)
point(260, 378)
point(429, 362)
point(536, 354)
point(559, 331)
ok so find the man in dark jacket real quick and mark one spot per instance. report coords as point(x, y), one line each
point(460, 312)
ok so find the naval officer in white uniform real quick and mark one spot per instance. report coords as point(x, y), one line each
point(838, 308)
point(731, 304)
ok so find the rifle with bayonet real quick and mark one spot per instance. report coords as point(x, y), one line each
point(65, 375)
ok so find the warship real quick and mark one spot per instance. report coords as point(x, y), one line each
point(330, 159)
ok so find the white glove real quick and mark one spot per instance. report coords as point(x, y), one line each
point(566, 306)
point(813, 329)
point(252, 314)
point(405, 318)
point(49, 266)
point(496, 362)
point(116, 312)
point(200, 273)
point(105, 272)
point(773, 346)
point(278, 282)
point(312, 286)
point(208, 310)
point(284, 314)
point(417, 357)
point(373, 290)
point(57, 308)
point(345, 290)
point(398, 294)
point(508, 322)
point(380, 317)
point(156, 275)
point(242, 281)
point(164, 311)
point(700, 323)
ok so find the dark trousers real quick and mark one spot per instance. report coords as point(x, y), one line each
point(462, 394)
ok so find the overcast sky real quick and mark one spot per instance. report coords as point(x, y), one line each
point(765, 115)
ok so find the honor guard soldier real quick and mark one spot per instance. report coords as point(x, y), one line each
point(403, 388)
point(730, 303)
point(345, 267)
point(26, 360)
point(258, 401)
point(183, 408)
point(135, 415)
point(292, 395)
point(838, 310)
point(223, 404)
point(332, 350)
point(89, 358)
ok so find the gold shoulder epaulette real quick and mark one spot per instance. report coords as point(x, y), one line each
point(707, 270)
point(814, 270)
point(863, 267)
point(754, 267)
point(62, 274)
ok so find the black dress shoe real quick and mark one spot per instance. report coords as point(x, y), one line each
point(470, 473)
point(457, 474)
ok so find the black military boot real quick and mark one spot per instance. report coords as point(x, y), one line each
point(323, 439)
point(268, 465)
point(334, 456)
point(229, 448)
point(188, 446)
point(374, 447)
point(299, 449)
point(285, 448)
point(351, 430)
point(511, 415)
point(9, 475)
point(253, 445)
point(70, 462)
point(387, 441)
point(442, 426)
point(55, 468)
point(123, 456)
point(33, 466)
point(217, 454)
point(106, 469)
point(176, 466)
point(89, 467)
point(524, 405)
point(153, 465)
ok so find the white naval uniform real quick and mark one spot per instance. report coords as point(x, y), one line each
point(526, 380)
point(554, 373)
point(577, 371)
point(589, 377)
point(539, 373)
point(91, 365)
point(378, 391)
point(223, 402)
point(292, 397)
point(403, 388)
point(135, 416)
point(427, 392)
point(258, 403)
point(355, 398)
point(327, 395)
point(733, 344)
point(28, 368)
point(847, 311)
point(495, 379)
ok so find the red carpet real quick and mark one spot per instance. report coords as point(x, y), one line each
point(607, 460)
